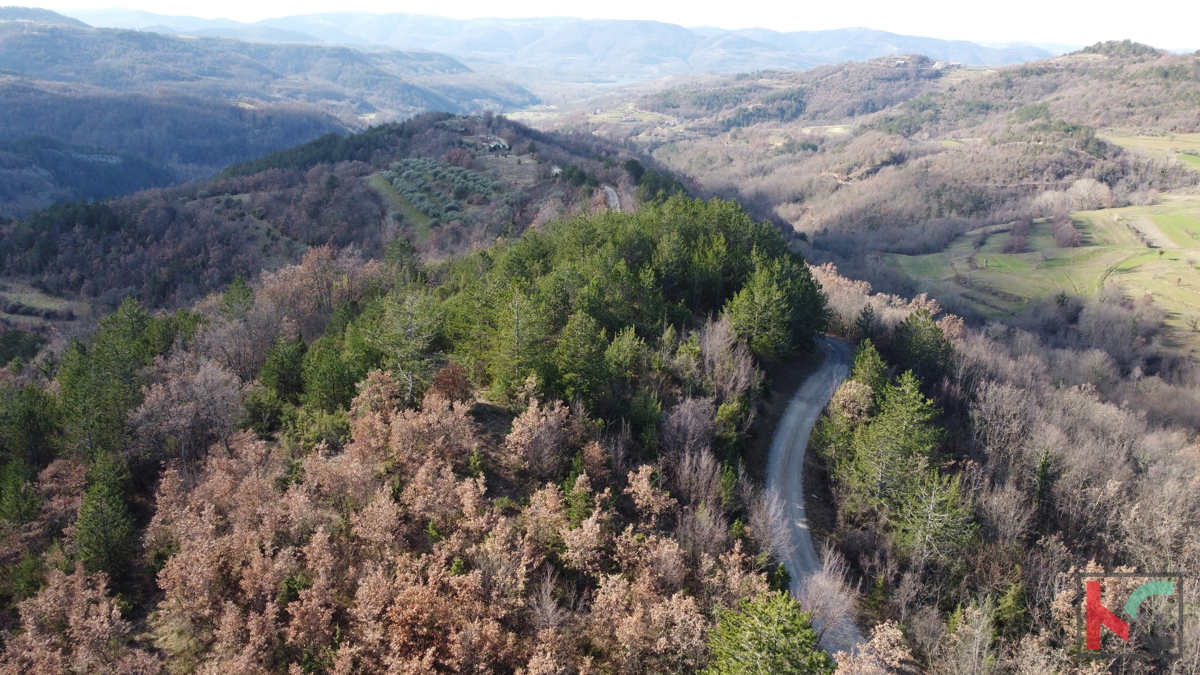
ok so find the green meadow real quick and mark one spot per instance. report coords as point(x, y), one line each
point(1144, 249)
point(1183, 147)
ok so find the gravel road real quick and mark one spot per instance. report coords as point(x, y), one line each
point(785, 472)
point(614, 203)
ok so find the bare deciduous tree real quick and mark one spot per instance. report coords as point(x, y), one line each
point(697, 478)
point(729, 369)
point(831, 602)
point(689, 427)
point(1006, 513)
point(769, 527)
point(968, 649)
point(546, 611)
point(1090, 194)
point(194, 403)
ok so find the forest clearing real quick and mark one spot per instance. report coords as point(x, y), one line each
point(1145, 249)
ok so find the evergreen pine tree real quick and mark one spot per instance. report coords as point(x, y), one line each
point(30, 425)
point(922, 347)
point(933, 522)
point(104, 531)
point(892, 449)
point(769, 635)
point(410, 322)
point(870, 369)
point(779, 309)
point(19, 502)
point(866, 324)
point(579, 359)
point(328, 380)
point(761, 312)
point(283, 371)
point(238, 298)
point(517, 342)
point(102, 383)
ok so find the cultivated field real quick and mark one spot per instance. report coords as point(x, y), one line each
point(21, 303)
point(1145, 249)
point(398, 204)
point(1179, 146)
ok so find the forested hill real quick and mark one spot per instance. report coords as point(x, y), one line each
point(898, 155)
point(191, 106)
point(446, 183)
point(345, 81)
point(349, 467)
point(540, 50)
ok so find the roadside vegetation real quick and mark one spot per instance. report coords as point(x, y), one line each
point(416, 400)
point(974, 471)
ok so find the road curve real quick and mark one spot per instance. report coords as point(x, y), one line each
point(614, 203)
point(785, 474)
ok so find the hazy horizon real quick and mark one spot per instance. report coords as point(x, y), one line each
point(941, 19)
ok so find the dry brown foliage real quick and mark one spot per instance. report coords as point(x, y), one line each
point(191, 404)
point(539, 437)
point(884, 654)
point(74, 626)
point(453, 384)
point(388, 557)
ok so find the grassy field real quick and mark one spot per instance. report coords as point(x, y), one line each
point(397, 204)
point(1162, 261)
point(621, 114)
point(629, 114)
point(31, 305)
point(1167, 145)
point(534, 117)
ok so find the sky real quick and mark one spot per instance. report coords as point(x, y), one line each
point(1169, 24)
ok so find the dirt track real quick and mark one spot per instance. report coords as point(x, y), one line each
point(785, 474)
point(614, 203)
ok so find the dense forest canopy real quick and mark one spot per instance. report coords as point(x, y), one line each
point(347, 466)
point(169, 247)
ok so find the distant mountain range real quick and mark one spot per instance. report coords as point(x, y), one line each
point(344, 81)
point(147, 99)
point(93, 112)
point(579, 50)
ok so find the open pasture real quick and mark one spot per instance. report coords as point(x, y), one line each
point(1180, 146)
point(1144, 249)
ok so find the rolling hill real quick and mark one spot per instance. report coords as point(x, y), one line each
point(188, 106)
point(444, 183)
point(34, 170)
point(891, 167)
point(348, 83)
point(575, 50)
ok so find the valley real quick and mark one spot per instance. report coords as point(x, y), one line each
point(178, 109)
point(585, 347)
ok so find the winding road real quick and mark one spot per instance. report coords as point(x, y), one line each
point(785, 475)
point(614, 203)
